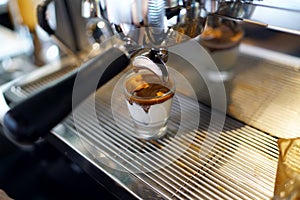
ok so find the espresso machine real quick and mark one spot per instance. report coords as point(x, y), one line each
point(236, 65)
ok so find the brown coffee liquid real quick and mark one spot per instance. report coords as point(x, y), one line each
point(221, 34)
point(151, 93)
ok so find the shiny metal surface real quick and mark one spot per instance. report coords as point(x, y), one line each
point(273, 15)
point(159, 16)
point(3, 6)
point(270, 96)
point(262, 99)
point(241, 165)
point(189, 17)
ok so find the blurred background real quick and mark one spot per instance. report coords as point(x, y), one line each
point(38, 172)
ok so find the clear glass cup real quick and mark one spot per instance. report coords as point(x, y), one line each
point(221, 38)
point(149, 102)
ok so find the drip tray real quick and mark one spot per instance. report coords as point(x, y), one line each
point(240, 161)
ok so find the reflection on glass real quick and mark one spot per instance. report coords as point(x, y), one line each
point(221, 38)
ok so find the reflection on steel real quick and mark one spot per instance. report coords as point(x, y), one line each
point(272, 14)
point(241, 165)
point(280, 17)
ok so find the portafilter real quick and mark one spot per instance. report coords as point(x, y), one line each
point(138, 24)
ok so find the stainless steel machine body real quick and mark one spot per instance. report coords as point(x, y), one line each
point(262, 104)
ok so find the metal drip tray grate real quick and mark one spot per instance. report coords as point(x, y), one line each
point(241, 164)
